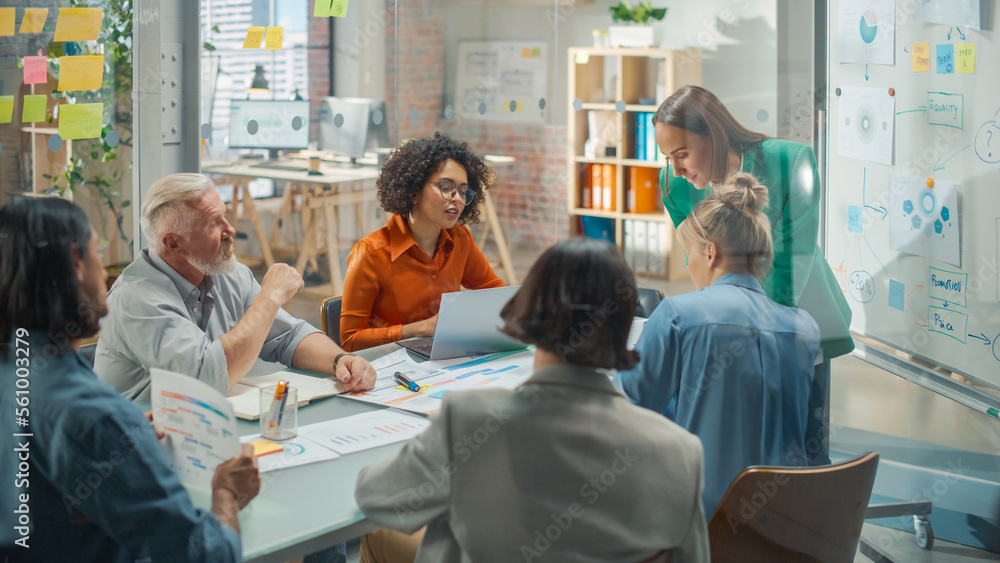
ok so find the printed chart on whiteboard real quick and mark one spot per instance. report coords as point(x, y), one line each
point(501, 81)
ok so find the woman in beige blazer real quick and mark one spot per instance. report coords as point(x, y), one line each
point(562, 468)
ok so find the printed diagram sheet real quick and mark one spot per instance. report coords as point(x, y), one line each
point(365, 431)
point(503, 369)
point(295, 451)
point(199, 423)
point(867, 116)
point(866, 33)
point(924, 221)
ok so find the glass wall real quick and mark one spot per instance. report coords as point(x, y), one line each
point(66, 109)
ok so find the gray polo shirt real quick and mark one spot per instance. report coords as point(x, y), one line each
point(159, 319)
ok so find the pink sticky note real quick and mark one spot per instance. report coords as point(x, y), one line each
point(35, 70)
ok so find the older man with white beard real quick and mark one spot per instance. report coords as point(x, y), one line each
point(186, 305)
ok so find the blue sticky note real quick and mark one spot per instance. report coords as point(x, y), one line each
point(854, 218)
point(896, 290)
point(946, 58)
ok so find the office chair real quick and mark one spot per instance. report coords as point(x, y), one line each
point(330, 315)
point(649, 298)
point(790, 514)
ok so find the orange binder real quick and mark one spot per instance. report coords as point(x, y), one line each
point(608, 188)
point(586, 200)
point(597, 186)
point(643, 189)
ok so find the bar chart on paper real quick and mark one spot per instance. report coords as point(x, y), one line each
point(365, 431)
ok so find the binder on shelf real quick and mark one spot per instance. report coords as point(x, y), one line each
point(586, 200)
point(601, 228)
point(664, 248)
point(640, 245)
point(650, 139)
point(608, 187)
point(629, 234)
point(643, 189)
point(652, 248)
point(640, 136)
point(597, 186)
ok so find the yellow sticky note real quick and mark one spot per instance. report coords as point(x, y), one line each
point(274, 37)
point(582, 58)
point(338, 9)
point(921, 57)
point(33, 109)
point(78, 24)
point(34, 20)
point(81, 73)
point(6, 22)
point(6, 108)
point(966, 58)
point(80, 121)
point(264, 447)
point(254, 36)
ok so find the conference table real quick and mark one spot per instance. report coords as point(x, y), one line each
point(304, 509)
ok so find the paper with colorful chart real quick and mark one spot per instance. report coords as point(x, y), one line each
point(506, 370)
point(294, 452)
point(925, 221)
point(199, 423)
point(364, 431)
point(867, 118)
point(866, 33)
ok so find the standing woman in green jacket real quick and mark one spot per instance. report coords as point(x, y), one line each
point(703, 144)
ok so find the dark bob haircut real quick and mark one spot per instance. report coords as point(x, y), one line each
point(408, 168)
point(39, 290)
point(577, 302)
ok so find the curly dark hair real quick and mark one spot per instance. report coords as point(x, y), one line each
point(408, 168)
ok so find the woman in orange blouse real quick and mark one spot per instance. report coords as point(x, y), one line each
point(396, 275)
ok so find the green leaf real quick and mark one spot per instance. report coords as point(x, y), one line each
point(208, 46)
point(658, 13)
point(126, 203)
point(215, 29)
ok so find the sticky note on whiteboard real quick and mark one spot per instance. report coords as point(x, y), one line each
point(275, 36)
point(322, 9)
point(339, 8)
point(946, 59)
point(34, 20)
point(80, 121)
point(81, 73)
point(6, 108)
point(921, 57)
point(78, 24)
point(854, 215)
point(254, 36)
point(6, 22)
point(966, 63)
point(36, 70)
point(896, 290)
point(33, 109)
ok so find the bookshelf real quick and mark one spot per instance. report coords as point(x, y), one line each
point(613, 92)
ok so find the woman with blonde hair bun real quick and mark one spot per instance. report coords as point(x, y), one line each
point(737, 366)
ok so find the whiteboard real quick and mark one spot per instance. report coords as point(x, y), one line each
point(919, 266)
point(501, 81)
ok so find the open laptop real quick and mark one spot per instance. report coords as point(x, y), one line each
point(468, 324)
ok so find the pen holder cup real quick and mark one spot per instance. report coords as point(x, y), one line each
point(279, 421)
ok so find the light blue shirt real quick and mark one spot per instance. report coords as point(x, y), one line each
point(740, 367)
point(156, 318)
point(99, 487)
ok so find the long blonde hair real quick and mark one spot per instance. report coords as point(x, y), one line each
point(733, 219)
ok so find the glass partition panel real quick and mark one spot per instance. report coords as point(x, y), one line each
point(66, 110)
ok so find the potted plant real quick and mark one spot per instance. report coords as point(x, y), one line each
point(636, 32)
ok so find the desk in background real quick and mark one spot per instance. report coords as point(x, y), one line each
point(320, 197)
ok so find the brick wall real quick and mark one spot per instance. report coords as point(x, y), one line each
point(320, 51)
point(530, 195)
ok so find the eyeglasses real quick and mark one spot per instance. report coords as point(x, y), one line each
point(449, 189)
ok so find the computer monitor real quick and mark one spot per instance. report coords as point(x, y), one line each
point(280, 124)
point(351, 126)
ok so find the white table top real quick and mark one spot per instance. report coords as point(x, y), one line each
point(301, 510)
point(331, 173)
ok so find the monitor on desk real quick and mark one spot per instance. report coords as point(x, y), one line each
point(351, 126)
point(269, 124)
